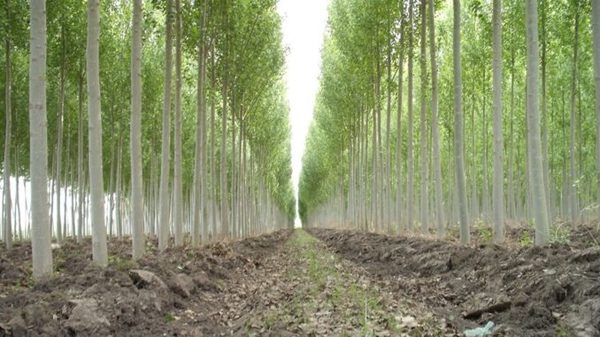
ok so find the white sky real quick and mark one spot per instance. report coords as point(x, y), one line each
point(303, 25)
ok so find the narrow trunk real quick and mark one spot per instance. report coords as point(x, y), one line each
point(410, 163)
point(573, 211)
point(137, 193)
point(399, 123)
point(199, 225)
point(437, 168)
point(423, 125)
point(80, 172)
point(7, 211)
point(164, 195)
point(498, 187)
point(596, 48)
point(177, 183)
point(38, 142)
point(59, 142)
point(536, 183)
point(459, 150)
point(99, 249)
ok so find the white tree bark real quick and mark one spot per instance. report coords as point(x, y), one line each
point(38, 155)
point(137, 194)
point(199, 225)
point(177, 183)
point(411, 174)
point(437, 169)
point(164, 197)
point(99, 249)
point(7, 210)
point(596, 44)
point(424, 153)
point(536, 181)
point(459, 142)
point(498, 188)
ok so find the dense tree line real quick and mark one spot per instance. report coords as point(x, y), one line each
point(437, 113)
point(210, 156)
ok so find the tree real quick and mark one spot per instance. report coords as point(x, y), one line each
point(177, 183)
point(7, 210)
point(536, 179)
point(199, 171)
point(99, 249)
point(498, 188)
point(38, 154)
point(596, 48)
point(411, 165)
point(459, 143)
point(137, 194)
point(164, 196)
point(437, 168)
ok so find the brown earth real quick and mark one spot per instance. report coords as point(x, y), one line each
point(174, 293)
point(550, 291)
point(284, 284)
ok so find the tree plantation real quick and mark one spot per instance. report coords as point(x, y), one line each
point(439, 115)
point(208, 158)
point(152, 186)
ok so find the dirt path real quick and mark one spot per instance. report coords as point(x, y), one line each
point(305, 290)
point(284, 284)
point(293, 284)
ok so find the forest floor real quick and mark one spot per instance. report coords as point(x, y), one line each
point(310, 283)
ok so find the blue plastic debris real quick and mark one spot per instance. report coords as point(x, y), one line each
point(481, 331)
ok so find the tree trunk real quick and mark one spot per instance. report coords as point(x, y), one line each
point(164, 196)
point(437, 168)
point(38, 155)
point(199, 225)
point(511, 181)
point(399, 121)
point(573, 211)
point(177, 183)
point(459, 144)
point(137, 193)
point(59, 142)
point(7, 211)
point(411, 174)
point(80, 172)
point(536, 183)
point(596, 48)
point(498, 188)
point(99, 249)
point(423, 156)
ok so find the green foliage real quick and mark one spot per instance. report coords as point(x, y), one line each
point(121, 264)
point(253, 57)
point(169, 317)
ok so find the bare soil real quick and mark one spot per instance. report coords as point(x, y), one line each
point(532, 291)
point(289, 283)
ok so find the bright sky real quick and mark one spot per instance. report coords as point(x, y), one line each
point(303, 25)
